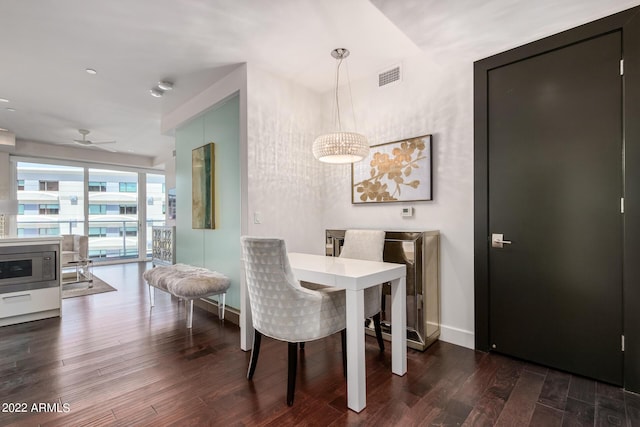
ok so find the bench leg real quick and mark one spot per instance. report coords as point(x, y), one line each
point(152, 294)
point(221, 305)
point(190, 314)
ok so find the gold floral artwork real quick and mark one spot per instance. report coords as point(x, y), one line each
point(394, 172)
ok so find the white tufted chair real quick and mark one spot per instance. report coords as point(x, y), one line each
point(75, 247)
point(367, 245)
point(282, 309)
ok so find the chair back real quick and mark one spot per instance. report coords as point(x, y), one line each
point(367, 245)
point(74, 248)
point(280, 307)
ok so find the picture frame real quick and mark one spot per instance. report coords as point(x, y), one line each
point(203, 187)
point(398, 171)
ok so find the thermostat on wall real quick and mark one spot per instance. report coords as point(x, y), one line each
point(408, 211)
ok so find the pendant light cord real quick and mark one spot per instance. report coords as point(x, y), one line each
point(353, 110)
point(337, 99)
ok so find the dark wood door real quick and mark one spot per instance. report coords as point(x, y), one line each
point(555, 188)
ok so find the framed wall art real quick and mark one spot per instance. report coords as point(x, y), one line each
point(202, 187)
point(398, 171)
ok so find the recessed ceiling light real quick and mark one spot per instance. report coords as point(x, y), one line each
point(165, 85)
point(91, 71)
point(157, 92)
point(4, 100)
point(11, 109)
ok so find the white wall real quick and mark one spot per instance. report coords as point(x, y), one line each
point(285, 182)
point(433, 98)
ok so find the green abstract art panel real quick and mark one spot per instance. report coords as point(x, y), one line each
point(202, 190)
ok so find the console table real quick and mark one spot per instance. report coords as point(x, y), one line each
point(163, 245)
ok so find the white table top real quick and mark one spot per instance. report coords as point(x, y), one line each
point(346, 273)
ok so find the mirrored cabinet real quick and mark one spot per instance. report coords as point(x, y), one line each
point(420, 251)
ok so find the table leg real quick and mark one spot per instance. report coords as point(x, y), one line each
point(246, 322)
point(356, 372)
point(399, 326)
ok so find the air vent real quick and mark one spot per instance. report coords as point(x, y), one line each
point(390, 76)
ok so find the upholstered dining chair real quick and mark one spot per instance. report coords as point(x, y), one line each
point(284, 310)
point(366, 245)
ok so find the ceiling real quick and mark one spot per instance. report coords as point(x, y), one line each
point(45, 48)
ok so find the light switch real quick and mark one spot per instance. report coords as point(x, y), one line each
point(257, 218)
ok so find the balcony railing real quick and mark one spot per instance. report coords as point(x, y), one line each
point(108, 239)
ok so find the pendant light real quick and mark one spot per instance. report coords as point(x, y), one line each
point(340, 147)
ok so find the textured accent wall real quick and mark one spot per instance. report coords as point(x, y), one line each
point(285, 183)
point(217, 249)
point(433, 98)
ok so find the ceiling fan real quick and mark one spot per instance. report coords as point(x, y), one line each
point(88, 143)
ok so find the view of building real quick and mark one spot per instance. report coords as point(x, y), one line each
point(112, 207)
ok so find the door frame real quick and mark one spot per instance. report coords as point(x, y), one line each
point(628, 22)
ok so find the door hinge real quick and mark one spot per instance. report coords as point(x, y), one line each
point(622, 67)
point(622, 205)
point(622, 342)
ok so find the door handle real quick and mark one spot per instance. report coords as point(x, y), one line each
point(498, 242)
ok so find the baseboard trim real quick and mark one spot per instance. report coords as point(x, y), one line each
point(230, 314)
point(457, 336)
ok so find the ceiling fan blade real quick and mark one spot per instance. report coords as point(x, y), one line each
point(105, 148)
point(103, 142)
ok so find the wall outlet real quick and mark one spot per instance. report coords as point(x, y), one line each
point(407, 211)
point(257, 218)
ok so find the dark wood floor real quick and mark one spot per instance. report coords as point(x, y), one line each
point(112, 361)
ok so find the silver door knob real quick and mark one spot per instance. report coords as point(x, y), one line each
point(497, 240)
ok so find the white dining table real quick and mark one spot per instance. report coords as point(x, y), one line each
point(354, 276)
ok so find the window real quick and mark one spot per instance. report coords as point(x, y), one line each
point(49, 185)
point(20, 184)
point(128, 187)
point(27, 232)
point(97, 209)
point(50, 209)
point(128, 209)
point(21, 209)
point(101, 253)
point(129, 231)
point(49, 231)
point(98, 186)
point(97, 231)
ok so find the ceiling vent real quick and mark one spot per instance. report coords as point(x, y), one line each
point(389, 76)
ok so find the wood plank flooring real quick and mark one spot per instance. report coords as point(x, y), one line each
point(112, 361)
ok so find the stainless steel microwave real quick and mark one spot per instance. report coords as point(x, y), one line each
point(28, 267)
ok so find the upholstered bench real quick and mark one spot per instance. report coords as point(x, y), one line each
point(189, 283)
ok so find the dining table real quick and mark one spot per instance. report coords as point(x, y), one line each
point(354, 276)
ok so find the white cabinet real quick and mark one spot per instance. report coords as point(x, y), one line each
point(29, 279)
point(24, 306)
